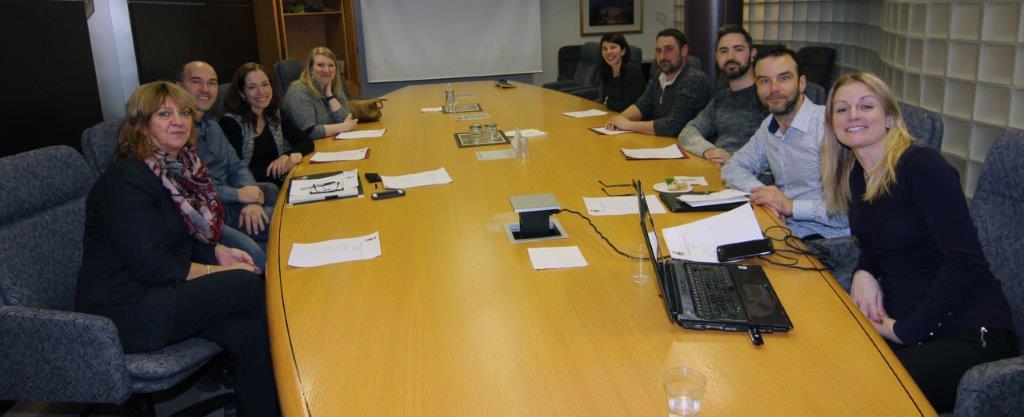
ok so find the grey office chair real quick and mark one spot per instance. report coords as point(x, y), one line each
point(49, 352)
point(98, 145)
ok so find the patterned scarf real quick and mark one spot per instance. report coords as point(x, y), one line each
point(191, 189)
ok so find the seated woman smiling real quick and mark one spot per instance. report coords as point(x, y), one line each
point(922, 279)
point(315, 104)
point(151, 262)
point(252, 125)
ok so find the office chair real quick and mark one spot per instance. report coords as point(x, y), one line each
point(98, 145)
point(49, 352)
point(924, 125)
point(994, 388)
point(286, 72)
point(586, 69)
point(818, 63)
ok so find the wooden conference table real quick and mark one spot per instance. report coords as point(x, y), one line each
point(453, 321)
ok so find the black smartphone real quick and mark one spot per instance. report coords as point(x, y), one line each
point(372, 177)
point(742, 250)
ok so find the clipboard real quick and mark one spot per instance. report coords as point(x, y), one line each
point(359, 187)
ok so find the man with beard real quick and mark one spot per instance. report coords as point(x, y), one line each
point(672, 98)
point(787, 142)
point(735, 112)
point(247, 210)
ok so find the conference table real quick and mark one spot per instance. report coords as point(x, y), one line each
point(452, 320)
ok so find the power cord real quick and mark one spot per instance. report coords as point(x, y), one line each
point(593, 226)
point(819, 252)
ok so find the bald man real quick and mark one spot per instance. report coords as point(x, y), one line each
point(247, 209)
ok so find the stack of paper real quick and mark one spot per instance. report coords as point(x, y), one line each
point(353, 155)
point(437, 176)
point(699, 241)
point(613, 206)
point(585, 113)
point(324, 187)
point(669, 152)
point(605, 131)
point(527, 133)
point(360, 134)
point(554, 258)
point(718, 197)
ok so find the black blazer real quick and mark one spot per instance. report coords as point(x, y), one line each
point(136, 253)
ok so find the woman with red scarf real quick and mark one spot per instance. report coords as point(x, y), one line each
point(151, 262)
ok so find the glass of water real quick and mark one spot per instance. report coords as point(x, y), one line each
point(476, 133)
point(684, 388)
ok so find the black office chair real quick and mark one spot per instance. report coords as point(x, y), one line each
point(586, 69)
point(287, 71)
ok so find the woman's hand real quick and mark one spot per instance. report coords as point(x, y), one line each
point(867, 295)
point(281, 166)
point(349, 123)
point(886, 328)
point(231, 258)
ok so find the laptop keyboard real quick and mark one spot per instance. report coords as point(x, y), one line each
point(713, 293)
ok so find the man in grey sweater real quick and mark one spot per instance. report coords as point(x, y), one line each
point(672, 98)
point(246, 207)
point(734, 113)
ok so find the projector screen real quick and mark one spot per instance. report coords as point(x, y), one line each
point(430, 39)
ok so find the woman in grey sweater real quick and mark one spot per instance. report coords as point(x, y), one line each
point(314, 103)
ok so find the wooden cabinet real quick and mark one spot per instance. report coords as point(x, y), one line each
point(284, 35)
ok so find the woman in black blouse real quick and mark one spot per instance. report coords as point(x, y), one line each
point(252, 125)
point(151, 258)
point(622, 82)
point(922, 279)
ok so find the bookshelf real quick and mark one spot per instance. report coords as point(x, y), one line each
point(963, 59)
point(284, 35)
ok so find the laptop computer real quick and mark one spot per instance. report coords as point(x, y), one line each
point(672, 203)
point(702, 296)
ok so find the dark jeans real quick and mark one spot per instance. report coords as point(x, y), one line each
point(229, 309)
point(938, 364)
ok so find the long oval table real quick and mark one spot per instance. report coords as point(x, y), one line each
point(452, 320)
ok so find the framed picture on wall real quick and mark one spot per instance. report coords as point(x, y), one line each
point(607, 16)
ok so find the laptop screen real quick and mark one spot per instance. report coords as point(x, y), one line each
point(651, 239)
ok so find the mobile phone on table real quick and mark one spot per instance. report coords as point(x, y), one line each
point(742, 250)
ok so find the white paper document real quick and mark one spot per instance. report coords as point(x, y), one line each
point(605, 131)
point(699, 241)
point(726, 196)
point(492, 155)
point(430, 109)
point(437, 176)
point(361, 134)
point(669, 152)
point(614, 206)
point(553, 258)
point(342, 184)
point(305, 255)
point(527, 133)
point(585, 113)
point(353, 155)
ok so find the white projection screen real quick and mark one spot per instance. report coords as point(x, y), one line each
point(429, 39)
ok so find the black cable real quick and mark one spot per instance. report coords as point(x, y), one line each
point(819, 252)
point(592, 225)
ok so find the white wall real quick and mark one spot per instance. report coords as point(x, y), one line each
point(560, 26)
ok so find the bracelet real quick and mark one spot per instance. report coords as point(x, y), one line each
point(207, 269)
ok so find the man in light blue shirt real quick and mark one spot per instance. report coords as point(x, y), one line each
point(787, 142)
point(247, 209)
